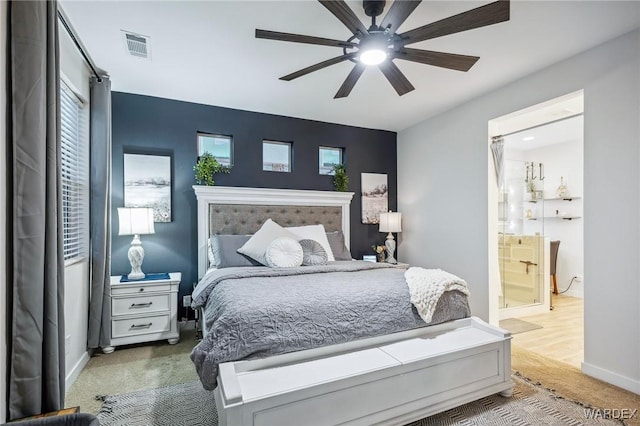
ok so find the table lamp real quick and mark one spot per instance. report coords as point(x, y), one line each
point(390, 222)
point(135, 221)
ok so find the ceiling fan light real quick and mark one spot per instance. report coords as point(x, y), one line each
point(373, 56)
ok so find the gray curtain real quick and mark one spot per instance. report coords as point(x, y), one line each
point(497, 148)
point(35, 262)
point(99, 331)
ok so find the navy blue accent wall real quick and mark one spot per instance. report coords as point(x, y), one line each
point(143, 124)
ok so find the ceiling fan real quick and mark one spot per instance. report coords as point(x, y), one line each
point(381, 44)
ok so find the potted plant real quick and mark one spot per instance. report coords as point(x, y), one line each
point(340, 178)
point(206, 167)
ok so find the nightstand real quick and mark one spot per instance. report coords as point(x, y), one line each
point(144, 311)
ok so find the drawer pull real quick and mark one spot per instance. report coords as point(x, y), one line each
point(140, 305)
point(142, 289)
point(139, 326)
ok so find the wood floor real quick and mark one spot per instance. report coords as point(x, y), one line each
point(562, 334)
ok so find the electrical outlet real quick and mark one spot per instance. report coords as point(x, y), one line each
point(578, 277)
point(186, 301)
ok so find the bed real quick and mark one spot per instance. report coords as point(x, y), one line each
point(280, 343)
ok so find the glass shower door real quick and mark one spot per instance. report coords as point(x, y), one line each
point(521, 234)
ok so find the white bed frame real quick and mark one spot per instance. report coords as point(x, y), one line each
point(391, 379)
point(212, 195)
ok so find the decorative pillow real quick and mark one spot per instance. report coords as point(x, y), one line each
point(284, 252)
point(313, 232)
point(256, 246)
point(224, 249)
point(338, 247)
point(210, 256)
point(312, 253)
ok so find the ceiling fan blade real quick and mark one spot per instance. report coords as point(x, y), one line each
point(395, 77)
point(343, 12)
point(398, 13)
point(438, 59)
point(297, 38)
point(482, 16)
point(318, 66)
point(350, 81)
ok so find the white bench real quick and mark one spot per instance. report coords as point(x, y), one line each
point(391, 379)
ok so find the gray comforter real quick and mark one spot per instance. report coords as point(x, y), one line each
point(256, 312)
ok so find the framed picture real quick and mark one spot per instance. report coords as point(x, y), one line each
point(147, 183)
point(375, 197)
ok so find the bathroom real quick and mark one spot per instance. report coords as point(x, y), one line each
point(540, 242)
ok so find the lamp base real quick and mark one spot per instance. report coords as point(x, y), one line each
point(136, 276)
point(390, 244)
point(136, 255)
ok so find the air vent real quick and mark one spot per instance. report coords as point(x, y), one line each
point(137, 45)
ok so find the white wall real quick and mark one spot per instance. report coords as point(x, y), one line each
point(443, 193)
point(3, 217)
point(564, 159)
point(76, 74)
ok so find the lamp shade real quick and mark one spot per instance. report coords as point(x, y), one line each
point(390, 222)
point(135, 221)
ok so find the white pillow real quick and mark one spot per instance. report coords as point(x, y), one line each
point(284, 252)
point(257, 245)
point(314, 232)
point(210, 255)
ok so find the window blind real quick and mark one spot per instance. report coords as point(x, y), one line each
point(74, 175)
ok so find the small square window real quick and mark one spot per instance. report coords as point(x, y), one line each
point(276, 156)
point(328, 157)
point(217, 145)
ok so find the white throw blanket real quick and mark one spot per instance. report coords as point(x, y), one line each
point(427, 285)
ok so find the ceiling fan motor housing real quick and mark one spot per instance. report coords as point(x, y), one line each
point(373, 7)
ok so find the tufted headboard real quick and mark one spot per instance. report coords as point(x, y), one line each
point(236, 210)
point(247, 219)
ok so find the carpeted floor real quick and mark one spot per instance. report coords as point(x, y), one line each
point(515, 325)
point(569, 382)
point(189, 404)
point(157, 365)
point(133, 368)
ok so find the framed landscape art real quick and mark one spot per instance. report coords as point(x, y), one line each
point(375, 197)
point(147, 183)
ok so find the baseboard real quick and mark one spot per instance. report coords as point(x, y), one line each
point(575, 293)
point(76, 370)
point(610, 377)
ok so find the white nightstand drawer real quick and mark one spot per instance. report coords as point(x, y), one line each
point(145, 310)
point(137, 326)
point(139, 289)
point(141, 304)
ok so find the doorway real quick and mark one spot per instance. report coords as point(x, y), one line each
point(537, 223)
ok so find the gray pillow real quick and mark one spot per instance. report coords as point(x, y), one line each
point(339, 249)
point(225, 254)
point(313, 253)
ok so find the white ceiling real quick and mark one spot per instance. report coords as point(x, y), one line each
point(206, 52)
point(564, 130)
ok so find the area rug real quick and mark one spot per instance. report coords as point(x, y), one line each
point(515, 325)
point(188, 404)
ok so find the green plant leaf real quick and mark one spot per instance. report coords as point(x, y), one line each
point(206, 167)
